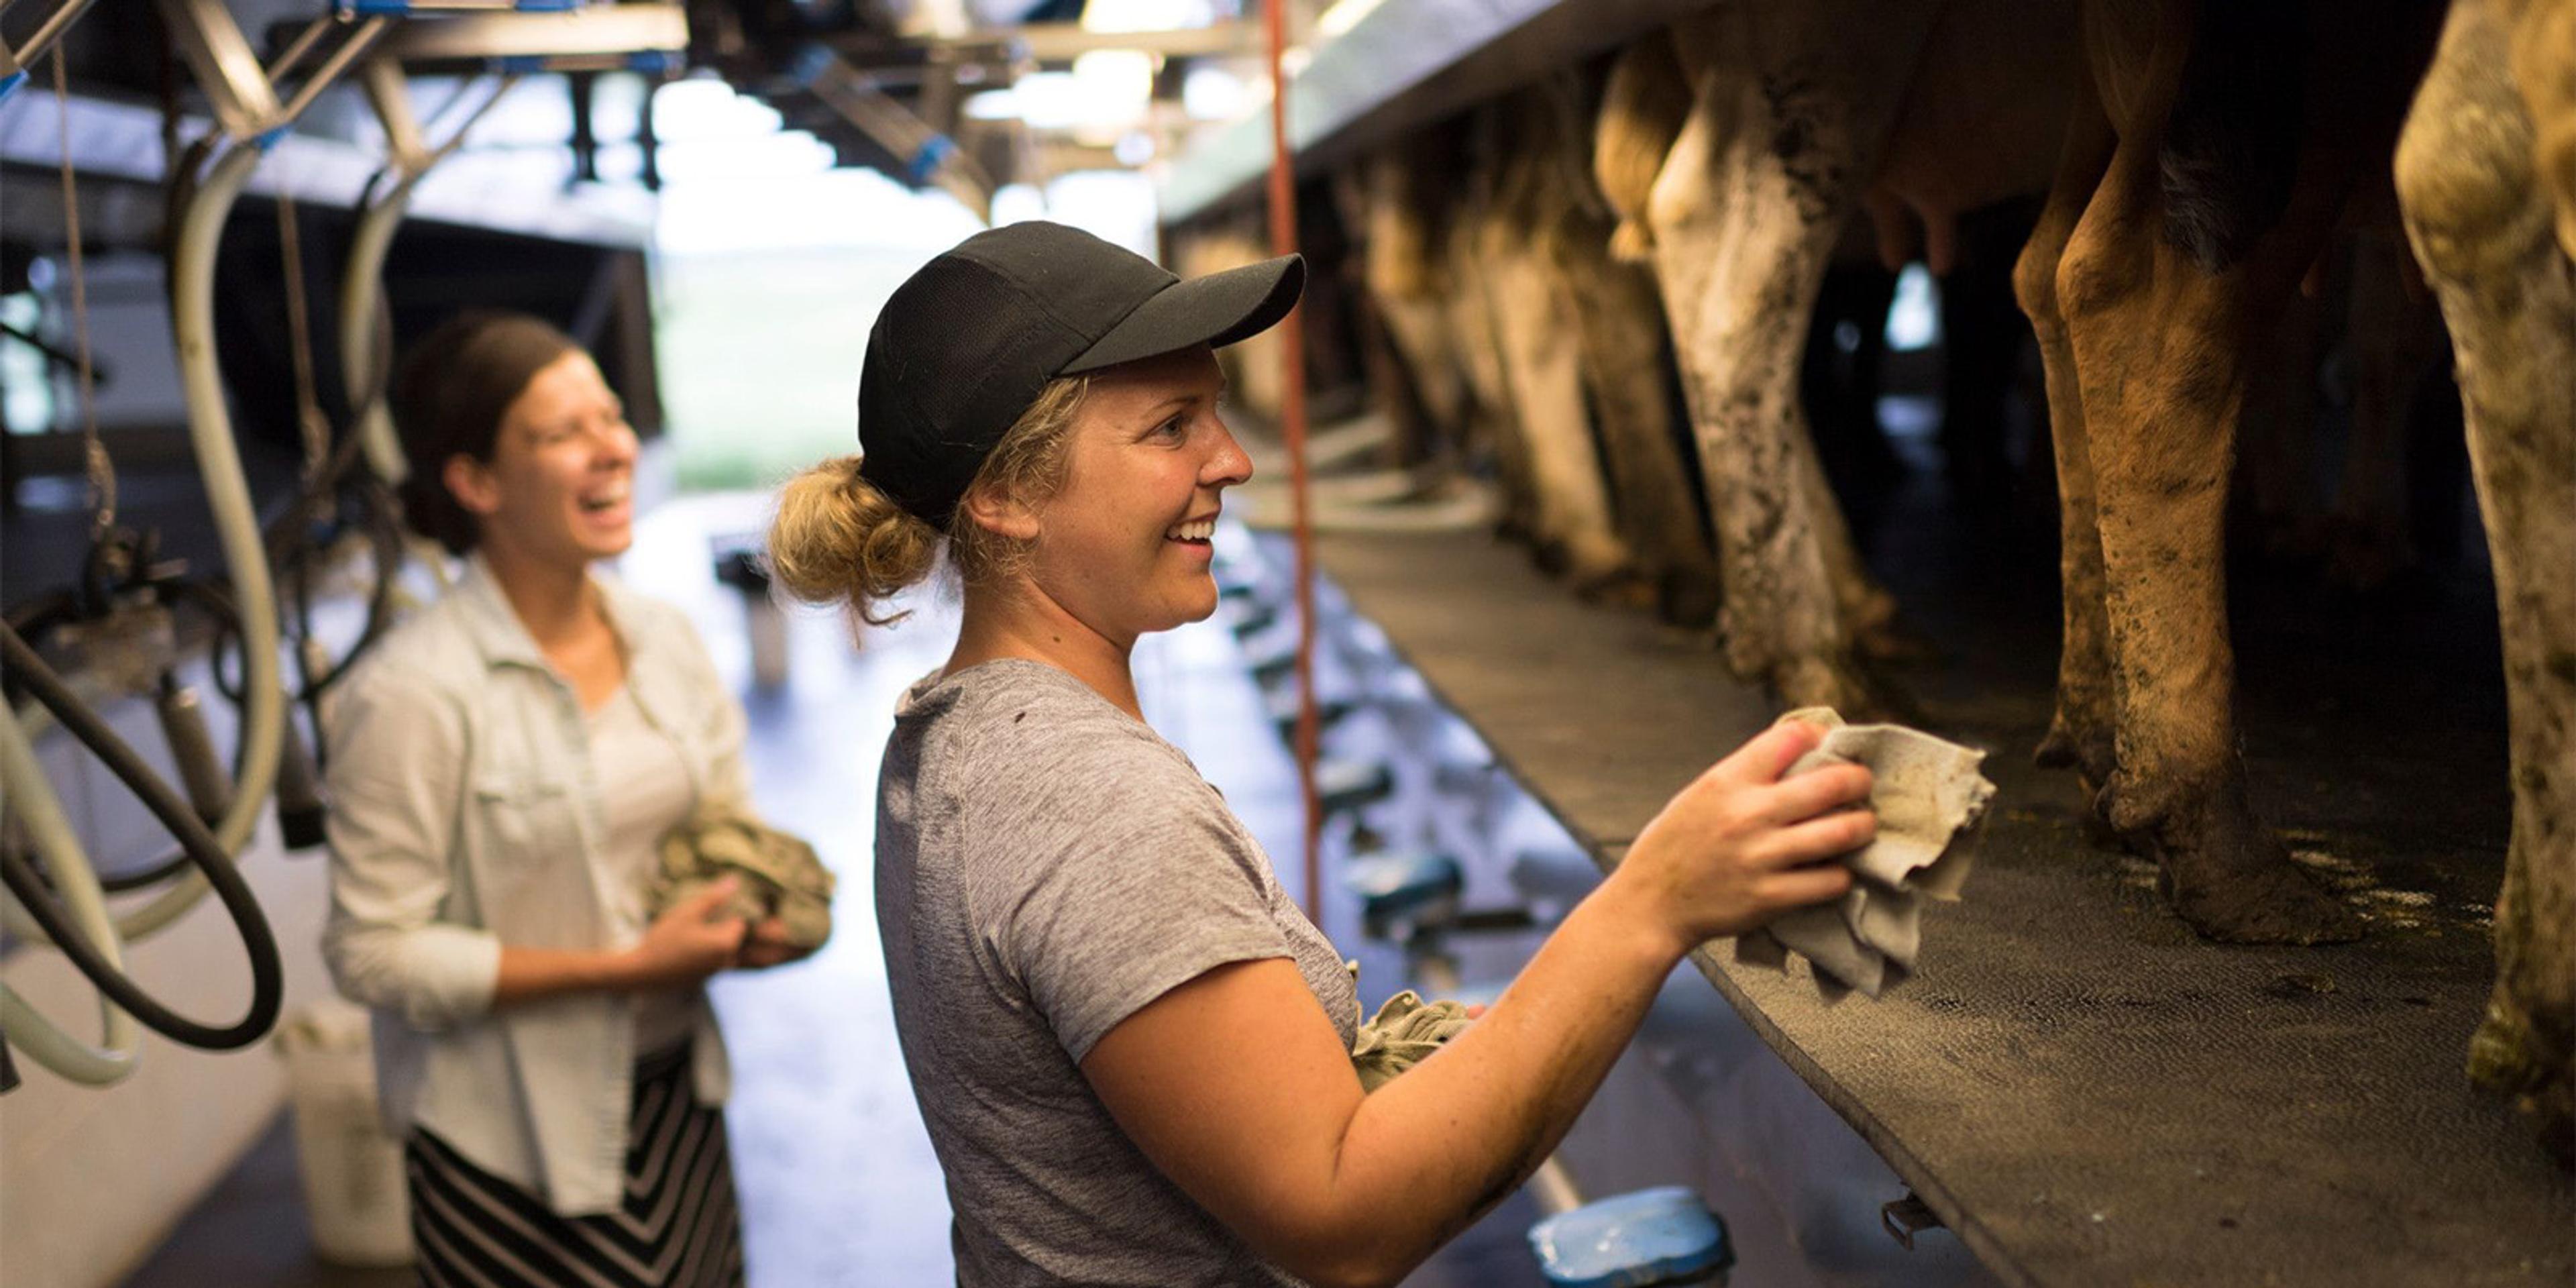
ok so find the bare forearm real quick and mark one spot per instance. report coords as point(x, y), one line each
point(1433, 1150)
point(532, 974)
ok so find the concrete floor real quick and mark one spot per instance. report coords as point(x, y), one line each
point(839, 1184)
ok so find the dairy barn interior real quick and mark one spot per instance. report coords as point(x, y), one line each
point(2168, 407)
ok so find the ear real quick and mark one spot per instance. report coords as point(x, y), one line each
point(1001, 515)
point(470, 481)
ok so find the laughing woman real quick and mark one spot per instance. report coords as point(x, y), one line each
point(502, 769)
point(1131, 1049)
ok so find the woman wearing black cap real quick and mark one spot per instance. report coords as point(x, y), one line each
point(502, 769)
point(1131, 1049)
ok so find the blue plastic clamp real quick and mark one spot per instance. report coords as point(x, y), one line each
point(1390, 886)
point(1350, 784)
point(809, 64)
point(926, 162)
point(1650, 1237)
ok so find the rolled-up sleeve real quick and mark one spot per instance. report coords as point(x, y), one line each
point(397, 751)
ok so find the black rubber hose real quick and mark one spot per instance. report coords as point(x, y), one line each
point(258, 941)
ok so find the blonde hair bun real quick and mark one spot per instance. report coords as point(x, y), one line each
point(838, 540)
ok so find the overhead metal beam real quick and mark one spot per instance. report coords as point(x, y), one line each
point(1407, 64)
point(604, 35)
point(243, 93)
point(50, 28)
point(927, 155)
point(1062, 42)
point(120, 144)
point(1045, 43)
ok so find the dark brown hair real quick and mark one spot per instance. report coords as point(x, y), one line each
point(448, 398)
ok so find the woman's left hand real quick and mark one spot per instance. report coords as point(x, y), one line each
point(767, 946)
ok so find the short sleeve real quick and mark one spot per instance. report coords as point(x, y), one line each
point(1140, 882)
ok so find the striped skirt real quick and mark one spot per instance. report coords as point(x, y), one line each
point(679, 1227)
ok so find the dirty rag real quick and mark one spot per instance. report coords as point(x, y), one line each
point(1406, 1031)
point(1929, 798)
point(779, 874)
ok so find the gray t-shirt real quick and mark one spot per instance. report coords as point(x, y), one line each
point(1047, 866)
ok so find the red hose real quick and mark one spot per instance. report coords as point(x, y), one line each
point(1292, 427)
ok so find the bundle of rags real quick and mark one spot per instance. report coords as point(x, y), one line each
point(779, 876)
point(1929, 798)
point(1406, 1031)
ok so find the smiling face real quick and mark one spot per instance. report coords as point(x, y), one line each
point(558, 487)
point(1123, 545)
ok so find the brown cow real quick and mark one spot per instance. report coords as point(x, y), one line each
point(2212, 151)
point(1529, 303)
point(1399, 202)
point(1794, 117)
point(1619, 331)
point(1494, 281)
point(2488, 158)
point(1789, 103)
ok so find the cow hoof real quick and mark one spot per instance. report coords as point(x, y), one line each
point(2506, 1057)
point(1623, 589)
point(1819, 682)
point(2233, 883)
point(1549, 557)
point(1850, 691)
point(2084, 748)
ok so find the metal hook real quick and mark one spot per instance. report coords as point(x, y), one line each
point(1907, 1217)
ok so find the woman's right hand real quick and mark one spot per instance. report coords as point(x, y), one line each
point(690, 941)
point(1740, 845)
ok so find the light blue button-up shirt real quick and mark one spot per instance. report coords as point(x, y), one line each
point(465, 814)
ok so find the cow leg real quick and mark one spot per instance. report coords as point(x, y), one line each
point(1406, 272)
point(1644, 100)
point(2214, 202)
point(1543, 368)
point(1473, 328)
point(2080, 731)
point(1418, 333)
point(1742, 217)
point(2479, 218)
point(1619, 326)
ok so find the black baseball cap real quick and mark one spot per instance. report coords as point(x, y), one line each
point(969, 341)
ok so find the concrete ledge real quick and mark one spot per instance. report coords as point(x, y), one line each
point(2083, 1090)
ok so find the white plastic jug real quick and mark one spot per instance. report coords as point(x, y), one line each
point(353, 1171)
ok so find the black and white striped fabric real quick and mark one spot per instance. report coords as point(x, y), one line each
point(679, 1227)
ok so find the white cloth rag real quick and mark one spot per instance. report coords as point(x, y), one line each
point(1929, 797)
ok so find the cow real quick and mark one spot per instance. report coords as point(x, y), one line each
point(1796, 115)
point(1398, 202)
point(1619, 332)
point(1494, 280)
point(2209, 158)
point(1254, 374)
point(2485, 166)
point(1518, 205)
